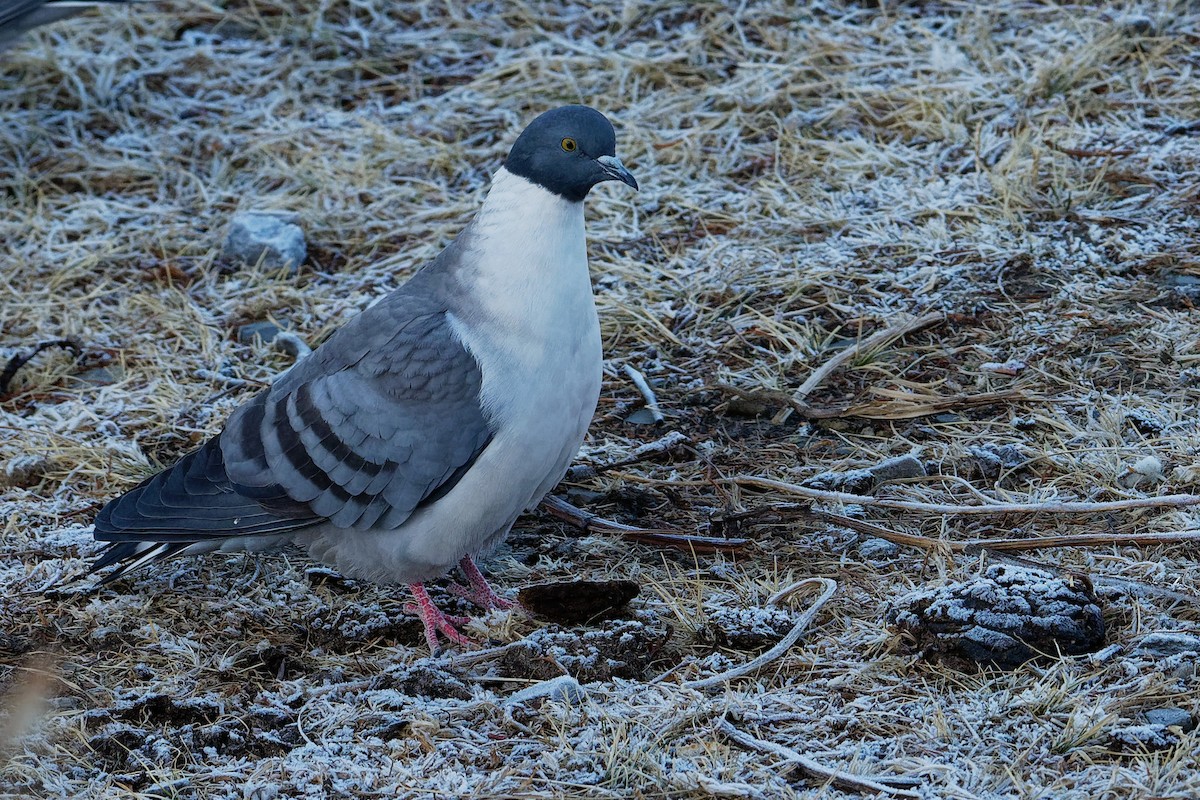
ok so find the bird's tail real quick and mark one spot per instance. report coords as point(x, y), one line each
point(132, 556)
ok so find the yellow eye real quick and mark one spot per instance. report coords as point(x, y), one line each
point(569, 145)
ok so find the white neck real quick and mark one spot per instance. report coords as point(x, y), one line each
point(528, 252)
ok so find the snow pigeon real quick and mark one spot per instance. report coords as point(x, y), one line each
point(17, 17)
point(413, 438)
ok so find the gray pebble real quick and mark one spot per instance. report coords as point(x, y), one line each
point(874, 549)
point(907, 466)
point(1168, 717)
point(99, 376)
point(274, 238)
point(266, 331)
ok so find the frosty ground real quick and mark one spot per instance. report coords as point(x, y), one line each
point(1025, 172)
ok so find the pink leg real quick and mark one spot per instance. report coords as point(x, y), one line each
point(435, 620)
point(480, 593)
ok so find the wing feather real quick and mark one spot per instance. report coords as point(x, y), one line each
point(383, 418)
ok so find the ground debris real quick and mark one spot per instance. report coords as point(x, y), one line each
point(744, 627)
point(993, 462)
point(573, 602)
point(1006, 616)
point(618, 649)
point(1150, 737)
point(1167, 644)
point(1171, 717)
point(423, 680)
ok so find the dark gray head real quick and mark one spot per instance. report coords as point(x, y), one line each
point(568, 150)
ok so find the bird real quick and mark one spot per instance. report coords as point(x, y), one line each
point(414, 436)
point(18, 17)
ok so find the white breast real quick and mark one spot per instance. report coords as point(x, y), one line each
point(536, 333)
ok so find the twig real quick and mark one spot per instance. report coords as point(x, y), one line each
point(1081, 540)
point(660, 446)
point(785, 643)
point(639, 380)
point(477, 656)
point(218, 377)
point(898, 787)
point(917, 407)
point(1048, 507)
point(897, 406)
point(1077, 152)
point(16, 362)
point(669, 537)
point(889, 535)
point(976, 546)
point(879, 337)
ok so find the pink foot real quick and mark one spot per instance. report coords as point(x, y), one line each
point(435, 620)
point(480, 593)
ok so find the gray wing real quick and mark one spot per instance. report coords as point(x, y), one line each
point(381, 419)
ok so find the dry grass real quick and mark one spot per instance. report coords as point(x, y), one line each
point(808, 177)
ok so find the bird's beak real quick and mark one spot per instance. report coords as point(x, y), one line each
point(616, 171)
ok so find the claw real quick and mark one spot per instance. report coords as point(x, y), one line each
point(479, 593)
point(436, 621)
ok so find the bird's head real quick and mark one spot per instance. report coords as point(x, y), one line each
point(568, 150)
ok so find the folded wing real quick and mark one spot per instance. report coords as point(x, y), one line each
point(381, 419)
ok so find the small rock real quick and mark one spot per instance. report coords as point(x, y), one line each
point(1164, 644)
point(1007, 616)
point(99, 376)
point(991, 461)
point(1169, 717)
point(873, 549)
point(265, 331)
point(854, 481)
point(644, 416)
point(898, 468)
point(1184, 280)
point(272, 238)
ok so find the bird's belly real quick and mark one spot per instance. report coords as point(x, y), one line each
point(544, 422)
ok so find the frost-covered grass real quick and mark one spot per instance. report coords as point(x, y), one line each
point(809, 177)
